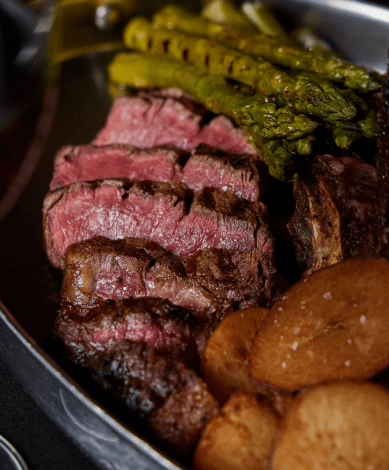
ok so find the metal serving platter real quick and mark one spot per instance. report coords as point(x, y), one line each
point(29, 287)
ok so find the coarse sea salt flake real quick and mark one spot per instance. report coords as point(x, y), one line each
point(347, 363)
point(283, 365)
point(280, 309)
point(294, 345)
point(362, 319)
point(296, 330)
point(327, 296)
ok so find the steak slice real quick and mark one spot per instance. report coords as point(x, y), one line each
point(161, 325)
point(336, 214)
point(243, 174)
point(210, 282)
point(170, 398)
point(154, 211)
point(169, 118)
point(90, 162)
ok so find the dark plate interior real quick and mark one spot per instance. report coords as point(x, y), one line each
point(29, 286)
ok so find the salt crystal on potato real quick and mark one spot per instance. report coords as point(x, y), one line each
point(332, 325)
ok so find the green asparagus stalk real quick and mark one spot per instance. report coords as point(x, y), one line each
point(272, 49)
point(259, 14)
point(225, 11)
point(322, 99)
point(221, 98)
point(276, 132)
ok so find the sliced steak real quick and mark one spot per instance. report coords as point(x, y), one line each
point(151, 119)
point(210, 282)
point(170, 398)
point(90, 162)
point(154, 211)
point(243, 174)
point(336, 213)
point(161, 325)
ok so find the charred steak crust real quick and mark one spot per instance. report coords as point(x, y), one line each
point(210, 282)
point(165, 327)
point(170, 397)
point(160, 388)
point(155, 211)
point(244, 174)
point(336, 211)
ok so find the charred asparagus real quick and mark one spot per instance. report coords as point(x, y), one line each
point(321, 99)
point(272, 49)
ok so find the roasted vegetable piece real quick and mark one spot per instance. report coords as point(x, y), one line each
point(274, 50)
point(276, 132)
point(260, 14)
point(225, 357)
point(321, 99)
point(241, 437)
point(336, 426)
point(329, 326)
point(225, 11)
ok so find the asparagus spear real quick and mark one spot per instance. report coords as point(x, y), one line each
point(259, 14)
point(221, 98)
point(225, 11)
point(276, 132)
point(272, 49)
point(321, 99)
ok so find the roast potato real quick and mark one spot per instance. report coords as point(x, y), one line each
point(335, 426)
point(240, 438)
point(331, 325)
point(225, 357)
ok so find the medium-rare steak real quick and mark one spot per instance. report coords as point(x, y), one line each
point(151, 119)
point(154, 211)
point(161, 325)
point(336, 213)
point(90, 162)
point(170, 398)
point(243, 174)
point(209, 282)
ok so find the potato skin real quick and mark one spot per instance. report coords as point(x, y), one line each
point(240, 438)
point(225, 357)
point(329, 326)
point(335, 426)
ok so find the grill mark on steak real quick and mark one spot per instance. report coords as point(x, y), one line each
point(171, 399)
point(243, 174)
point(154, 211)
point(151, 119)
point(209, 282)
point(165, 327)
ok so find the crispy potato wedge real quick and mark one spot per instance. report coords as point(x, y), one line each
point(335, 426)
point(240, 438)
point(225, 357)
point(332, 325)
